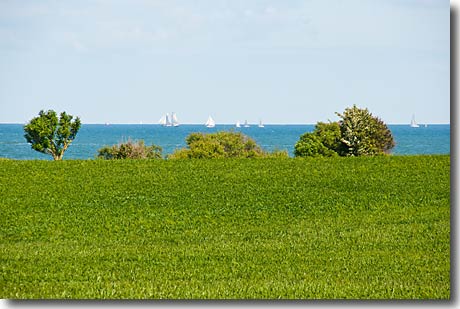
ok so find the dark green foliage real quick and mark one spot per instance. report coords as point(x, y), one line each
point(221, 145)
point(362, 134)
point(358, 133)
point(323, 141)
point(130, 150)
point(52, 135)
point(310, 145)
point(313, 228)
point(329, 135)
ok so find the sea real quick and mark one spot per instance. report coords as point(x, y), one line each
point(433, 139)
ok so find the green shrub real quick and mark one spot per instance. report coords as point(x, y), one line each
point(310, 145)
point(277, 153)
point(221, 145)
point(130, 150)
point(329, 134)
point(323, 141)
point(358, 133)
point(363, 134)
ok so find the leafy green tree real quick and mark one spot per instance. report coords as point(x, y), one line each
point(52, 135)
point(310, 145)
point(323, 141)
point(329, 134)
point(363, 134)
point(357, 133)
point(130, 150)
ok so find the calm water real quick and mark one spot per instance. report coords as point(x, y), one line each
point(435, 139)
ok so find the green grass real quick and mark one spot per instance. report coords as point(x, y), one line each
point(371, 228)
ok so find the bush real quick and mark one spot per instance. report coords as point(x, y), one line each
point(329, 134)
point(323, 141)
point(277, 153)
point(130, 150)
point(363, 134)
point(310, 145)
point(221, 145)
point(358, 133)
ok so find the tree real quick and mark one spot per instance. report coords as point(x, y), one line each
point(310, 145)
point(52, 135)
point(357, 133)
point(329, 135)
point(130, 150)
point(324, 141)
point(363, 134)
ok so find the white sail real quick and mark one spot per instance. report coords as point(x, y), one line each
point(413, 123)
point(246, 125)
point(238, 125)
point(261, 125)
point(168, 120)
point(210, 123)
point(162, 120)
point(174, 120)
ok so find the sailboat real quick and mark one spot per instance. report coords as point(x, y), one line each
point(238, 125)
point(164, 121)
point(413, 123)
point(261, 125)
point(210, 123)
point(169, 121)
point(246, 125)
point(174, 120)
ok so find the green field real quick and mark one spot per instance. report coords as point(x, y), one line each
point(361, 228)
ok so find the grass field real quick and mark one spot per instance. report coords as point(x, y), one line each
point(371, 228)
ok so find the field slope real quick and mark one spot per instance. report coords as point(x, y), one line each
point(371, 228)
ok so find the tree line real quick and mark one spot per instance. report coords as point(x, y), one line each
point(356, 133)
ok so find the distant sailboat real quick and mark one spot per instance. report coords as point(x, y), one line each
point(169, 121)
point(261, 125)
point(413, 123)
point(210, 123)
point(238, 125)
point(164, 121)
point(174, 120)
point(246, 125)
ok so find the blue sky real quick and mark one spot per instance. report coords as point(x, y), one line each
point(291, 61)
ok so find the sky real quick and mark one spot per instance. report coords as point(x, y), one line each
point(278, 61)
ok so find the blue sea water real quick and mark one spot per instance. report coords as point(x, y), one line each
point(434, 139)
